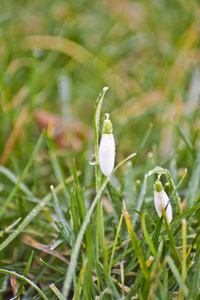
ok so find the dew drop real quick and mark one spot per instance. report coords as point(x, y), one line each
point(92, 160)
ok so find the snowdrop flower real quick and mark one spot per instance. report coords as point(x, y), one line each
point(161, 201)
point(107, 148)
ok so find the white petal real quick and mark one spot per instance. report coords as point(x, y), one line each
point(161, 201)
point(107, 153)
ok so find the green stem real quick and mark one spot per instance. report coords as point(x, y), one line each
point(98, 175)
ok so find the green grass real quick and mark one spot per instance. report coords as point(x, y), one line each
point(65, 229)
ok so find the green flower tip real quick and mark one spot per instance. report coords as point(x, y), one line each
point(107, 125)
point(158, 186)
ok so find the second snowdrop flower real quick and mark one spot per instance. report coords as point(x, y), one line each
point(107, 148)
point(161, 201)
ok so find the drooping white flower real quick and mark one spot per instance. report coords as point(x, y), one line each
point(161, 201)
point(107, 148)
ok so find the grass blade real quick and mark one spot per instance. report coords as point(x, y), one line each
point(115, 200)
point(74, 213)
point(184, 255)
point(185, 139)
point(195, 283)
point(115, 243)
point(12, 273)
point(51, 267)
point(80, 200)
point(171, 240)
point(194, 183)
point(57, 292)
point(143, 142)
point(10, 196)
point(25, 274)
point(155, 268)
point(177, 275)
point(140, 200)
point(110, 283)
point(60, 216)
point(15, 180)
point(146, 235)
point(57, 168)
point(135, 243)
point(128, 189)
point(79, 285)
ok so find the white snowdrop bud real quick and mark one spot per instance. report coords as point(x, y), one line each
point(161, 201)
point(107, 148)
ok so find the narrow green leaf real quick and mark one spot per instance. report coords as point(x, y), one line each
point(156, 233)
point(147, 237)
point(195, 282)
point(61, 220)
point(100, 229)
point(194, 182)
point(12, 273)
point(128, 189)
point(185, 139)
point(155, 268)
point(57, 292)
point(58, 169)
point(115, 243)
point(171, 240)
point(135, 285)
point(143, 142)
point(21, 178)
point(115, 200)
point(80, 202)
point(177, 275)
point(135, 242)
point(123, 255)
point(164, 287)
point(25, 274)
point(79, 285)
point(74, 213)
point(131, 264)
point(196, 240)
point(109, 282)
point(184, 250)
point(51, 267)
point(102, 296)
point(140, 200)
point(3, 284)
point(186, 214)
point(15, 180)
